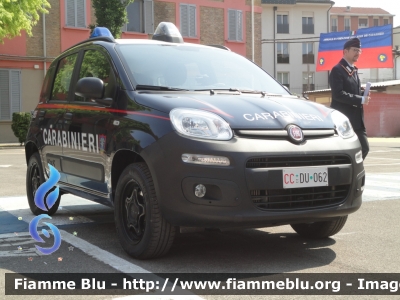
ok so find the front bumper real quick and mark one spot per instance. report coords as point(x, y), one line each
point(238, 194)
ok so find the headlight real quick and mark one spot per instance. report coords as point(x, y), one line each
point(200, 124)
point(342, 124)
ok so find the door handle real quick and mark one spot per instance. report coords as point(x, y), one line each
point(68, 116)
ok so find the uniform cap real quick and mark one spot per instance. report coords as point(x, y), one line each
point(354, 42)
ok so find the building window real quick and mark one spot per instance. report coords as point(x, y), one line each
point(282, 22)
point(10, 93)
point(308, 81)
point(75, 13)
point(140, 14)
point(308, 25)
point(334, 25)
point(308, 53)
point(235, 25)
point(188, 20)
point(283, 78)
point(282, 50)
point(347, 24)
point(385, 21)
point(376, 22)
point(362, 23)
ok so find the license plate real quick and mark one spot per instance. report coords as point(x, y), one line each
point(305, 177)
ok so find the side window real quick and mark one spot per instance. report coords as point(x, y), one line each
point(96, 64)
point(63, 78)
point(44, 93)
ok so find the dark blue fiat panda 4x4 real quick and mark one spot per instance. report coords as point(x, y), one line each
point(172, 135)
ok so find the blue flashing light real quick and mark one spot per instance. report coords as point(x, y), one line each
point(101, 31)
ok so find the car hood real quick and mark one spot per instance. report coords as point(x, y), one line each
point(243, 111)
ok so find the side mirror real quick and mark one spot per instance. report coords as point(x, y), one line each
point(92, 88)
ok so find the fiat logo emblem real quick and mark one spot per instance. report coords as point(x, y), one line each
point(295, 133)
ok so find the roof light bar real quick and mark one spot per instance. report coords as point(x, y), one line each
point(101, 31)
point(167, 32)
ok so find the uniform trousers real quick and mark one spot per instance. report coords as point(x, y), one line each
point(362, 136)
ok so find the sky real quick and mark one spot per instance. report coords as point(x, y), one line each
point(391, 6)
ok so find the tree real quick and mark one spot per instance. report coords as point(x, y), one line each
point(17, 15)
point(110, 14)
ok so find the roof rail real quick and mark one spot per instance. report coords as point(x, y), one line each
point(220, 46)
point(100, 38)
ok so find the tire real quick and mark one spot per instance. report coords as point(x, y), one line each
point(320, 230)
point(34, 178)
point(141, 229)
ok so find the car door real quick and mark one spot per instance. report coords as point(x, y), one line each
point(89, 127)
point(50, 112)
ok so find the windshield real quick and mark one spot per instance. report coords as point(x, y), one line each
point(195, 68)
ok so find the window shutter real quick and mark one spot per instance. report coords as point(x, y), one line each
point(4, 95)
point(184, 19)
point(70, 11)
point(80, 14)
point(148, 16)
point(15, 91)
point(129, 16)
point(239, 25)
point(231, 25)
point(192, 21)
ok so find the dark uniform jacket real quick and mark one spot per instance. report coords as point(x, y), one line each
point(346, 94)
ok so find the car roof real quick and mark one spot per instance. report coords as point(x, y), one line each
point(105, 41)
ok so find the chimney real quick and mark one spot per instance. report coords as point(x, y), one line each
point(348, 8)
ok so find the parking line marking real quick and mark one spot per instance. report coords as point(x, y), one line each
point(19, 207)
point(8, 153)
point(367, 165)
point(381, 186)
point(385, 158)
point(112, 260)
point(101, 255)
point(384, 151)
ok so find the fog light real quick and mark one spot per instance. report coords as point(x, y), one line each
point(358, 157)
point(205, 159)
point(200, 190)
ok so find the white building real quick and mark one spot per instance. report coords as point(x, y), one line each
point(290, 35)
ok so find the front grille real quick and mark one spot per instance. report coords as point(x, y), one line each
point(297, 161)
point(299, 198)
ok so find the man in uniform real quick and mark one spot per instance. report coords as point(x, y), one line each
point(347, 96)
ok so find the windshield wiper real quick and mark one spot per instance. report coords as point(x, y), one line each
point(219, 89)
point(157, 88)
point(212, 91)
point(253, 92)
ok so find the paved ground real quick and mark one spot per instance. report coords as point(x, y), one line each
point(369, 242)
